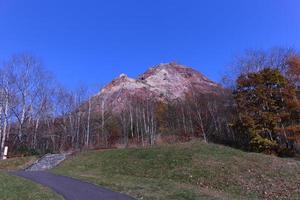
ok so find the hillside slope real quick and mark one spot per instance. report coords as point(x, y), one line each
point(188, 171)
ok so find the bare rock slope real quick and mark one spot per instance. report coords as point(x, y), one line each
point(48, 161)
point(166, 81)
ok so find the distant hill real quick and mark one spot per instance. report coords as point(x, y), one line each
point(168, 81)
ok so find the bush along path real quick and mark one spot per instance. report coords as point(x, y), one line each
point(69, 188)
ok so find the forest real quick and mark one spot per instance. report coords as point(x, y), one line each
point(257, 109)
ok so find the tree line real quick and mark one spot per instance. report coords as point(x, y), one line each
point(256, 109)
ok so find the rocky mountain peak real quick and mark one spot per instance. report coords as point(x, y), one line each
point(123, 76)
point(174, 80)
point(122, 81)
point(162, 81)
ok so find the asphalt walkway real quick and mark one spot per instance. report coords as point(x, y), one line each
point(71, 189)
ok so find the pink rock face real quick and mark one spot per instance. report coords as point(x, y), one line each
point(173, 80)
point(162, 82)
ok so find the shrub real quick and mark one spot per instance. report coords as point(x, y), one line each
point(25, 151)
point(286, 152)
point(260, 144)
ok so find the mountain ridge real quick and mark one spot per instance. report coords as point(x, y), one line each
point(162, 82)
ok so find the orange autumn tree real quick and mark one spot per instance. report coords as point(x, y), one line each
point(293, 70)
point(267, 103)
point(293, 74)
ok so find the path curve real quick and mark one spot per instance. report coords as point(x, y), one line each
point(71, 189)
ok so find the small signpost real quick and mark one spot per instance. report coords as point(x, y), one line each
point(5, 152)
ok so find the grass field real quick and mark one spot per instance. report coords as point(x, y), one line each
point(188, 171)
point(15, 188)
point(16, 163)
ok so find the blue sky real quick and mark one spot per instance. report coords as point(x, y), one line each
point(94, 41)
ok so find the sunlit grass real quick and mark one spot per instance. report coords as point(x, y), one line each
point(188, 171)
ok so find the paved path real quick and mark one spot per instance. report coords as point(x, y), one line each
point(71, 189)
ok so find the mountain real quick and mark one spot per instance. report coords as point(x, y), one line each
point(167, 81)
point(172, 80)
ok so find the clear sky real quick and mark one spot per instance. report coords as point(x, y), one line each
point(95, 41)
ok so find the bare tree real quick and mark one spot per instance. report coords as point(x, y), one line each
point(5, 97)
point(255, 60)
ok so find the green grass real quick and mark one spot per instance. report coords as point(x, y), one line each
point(188, 171)
point(16, 163)
point(15, 188)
